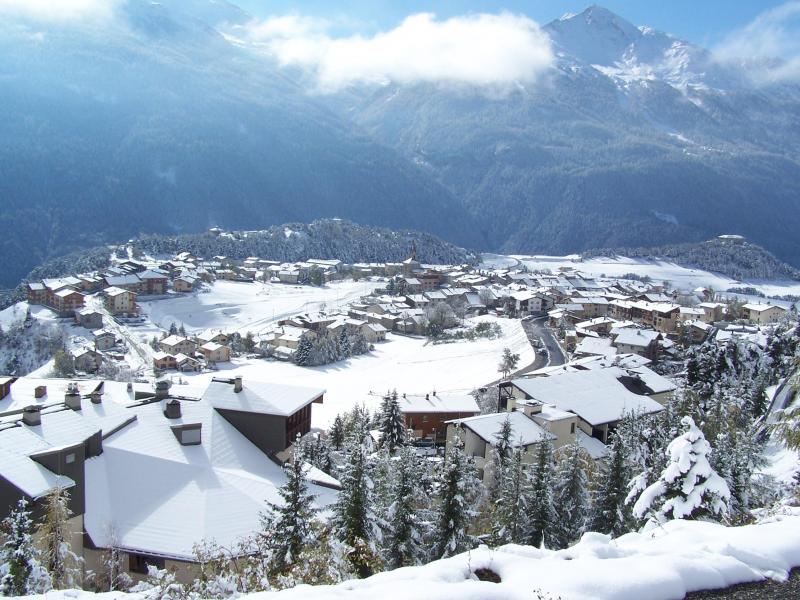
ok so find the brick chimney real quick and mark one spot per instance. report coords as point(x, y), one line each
point(72, 398)
point(172, 410)
point(31, 415)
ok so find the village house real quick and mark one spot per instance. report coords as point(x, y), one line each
point(36, 293)
point(600, 397)
point(763, 314)
point(153, 283)
point(479, 436)
point(89, 318)
point(644, 342)
point(427, 415)
point(129, 281)
point(163, 361)
point(214, 353)
point(119, 301)
point(86, 360)
point(184, 283)
point(151, 474)
point(103, 340)
point(175, 344)
point(66, 301)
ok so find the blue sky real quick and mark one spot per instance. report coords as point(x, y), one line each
point(704, 22)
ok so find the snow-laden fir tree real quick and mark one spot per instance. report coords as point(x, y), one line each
point(501, 453)
point(736, 457)
point(392, 426)
point(570, 497)
point(610, 513)
point(541, 508)
point(290, 521)
point(21, 569)
point(345, 349)
point(336, 433)
point(511, 510)
point(403, 521)
point(459, 489)
point(688, 488)
point(354, 521)
point(302, 356)
point(60, 561)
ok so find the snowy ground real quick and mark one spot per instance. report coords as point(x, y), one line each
point(238, 306)
point(678, 276)
point(682, 557)
point(403, 363)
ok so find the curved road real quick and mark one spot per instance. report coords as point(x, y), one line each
point(536, 329)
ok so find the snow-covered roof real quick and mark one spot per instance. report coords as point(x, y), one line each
point(438, 403)
point(594, 447)
point(524, 430)
point(636, 337)
point(260, 397)
point(758, 307)
point(160, 497)
point(596, 396)
point(593, 345)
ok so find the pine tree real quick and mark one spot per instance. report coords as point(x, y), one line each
point(511, 509)
point(571, 497)
point(610, 512)
point(353, 519)
point(392, 426)
point(345, 350)
point(541, 502)
point(173, 329)
point(458, 490)
point(736, 457)
point(337, 433)
point(508, 362)
point(688, 488)
point(59, 560)
point(404, 528)
point(20, 565)
point(302, 356)
point(501, 453)
point(292, 519)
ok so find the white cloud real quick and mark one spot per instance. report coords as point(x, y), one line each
point(770, 44)
point(481, 49)
point(58, 10)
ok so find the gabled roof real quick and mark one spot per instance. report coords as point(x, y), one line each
point(524, 430)
point(260, 397)
point(438, 403)
point(596, 396)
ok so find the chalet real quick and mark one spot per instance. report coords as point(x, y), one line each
point(89, 318)
point(427, 415)
point(215, 353)
point(713, 311)
point(187, 364)
point(103, 340)
point(66, 301)
point(163, 361)
point(216, 336)
point(153, 283)
point(600, 397)
point(104, 441)
point(373, 332)
point(86, 360)
point(184, 283)
point(130, 282)
point(175, 344)
point(479, 436)
point(643, 342)
point(119, 301)
point(36, 293)
point(762, 314)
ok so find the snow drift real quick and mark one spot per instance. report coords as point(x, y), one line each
point(663, 564)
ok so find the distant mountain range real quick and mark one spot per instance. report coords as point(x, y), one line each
point(159, 123)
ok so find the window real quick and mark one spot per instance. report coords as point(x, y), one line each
point(137, 563)
point(572, 427)
point(190, 436)
point(69, 458)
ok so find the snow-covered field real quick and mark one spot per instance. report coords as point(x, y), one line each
point(681, 557)
point(238, 306)
point(403, 363)
point(678, 276)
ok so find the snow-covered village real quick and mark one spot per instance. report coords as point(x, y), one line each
point(211, 427)
point(465, 300)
